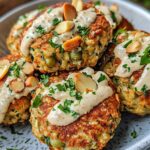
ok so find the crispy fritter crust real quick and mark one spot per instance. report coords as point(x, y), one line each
point(18, 111)
point(131, 100)
point(90, 131)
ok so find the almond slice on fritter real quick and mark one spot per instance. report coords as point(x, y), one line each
point(17, 85)
point(28, 68)
point(135, 46)
point(31, 81)
point(4, 67)
point(73, 43)
point(70, 12)
point(64, 26)
point(78, 4)
point(84, 83)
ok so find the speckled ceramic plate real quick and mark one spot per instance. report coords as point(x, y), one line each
point(21, 138)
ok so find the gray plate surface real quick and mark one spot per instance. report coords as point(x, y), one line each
point(22, 138)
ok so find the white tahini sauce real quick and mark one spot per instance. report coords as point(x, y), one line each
point(107, 13)
point(129, 64)
point(85, 18)
point(144, 79)
point(46, 22)
point(85, 105)
point(7, 96)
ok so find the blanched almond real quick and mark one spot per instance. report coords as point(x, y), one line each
point(17, 85)
point(70, 12)
point(78, 4)
point(72, 43)
point(135, 46)
point(4, 67)
point(31, 81)
point(64, 26)
point(114, 7)
point(28, 68)
point(84, 83)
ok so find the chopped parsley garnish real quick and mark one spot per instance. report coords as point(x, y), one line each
point(83, 30)
point(115, 80)
point(25, 24)
point(40, 29)
point(37, 101)
point(41, 7)
point(94, 93)
point(145, 59)
point(49, 10)
point(75, 114)
point(126, 45)
point(56, 21)
point(78, 96)
point(61, 87)
point(132, 56)
point(118, 32)
point(44, 79)
point(54, 45)
point(126, 67)
point(14, 70)
point(3, 138)
point(113, 16)
point(51, 91)
point(70, 84)
point(66, 106)
point(55, 33)
point(134, 134)
point(72, 93)
point(87, 74)
point(47, 140)
point(101, 78)
point(144, 88)
point(97, 3)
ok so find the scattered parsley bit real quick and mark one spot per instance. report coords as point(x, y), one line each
point(65, 108)
point(40, 29)
point(72, 93)
point(51, 91)
point(115, 80)
point(54, 45)
point(41, 7)
point(97, 3)
point(49, 10)
point(78, 96)
point(83, 30)
point(3, 138)
point(14, 70)
point(131, 57)
point(145, 59)
point(75, 114)
point(86, 74)
point(25, 24)
point(61, 87)
point(144, 88)
point(113, 16)
point(94, 93)
point(37, 101)
point(126, 67)
point(134, 134)
point(55, 33)
point(13, 131)
point(44, 79)
point(126, 45)
point(47, 140)
point(56, 21)
point(101, 78)
point(71, 84)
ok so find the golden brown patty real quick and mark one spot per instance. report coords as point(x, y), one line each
point(18, 110)
point(84, 50)
point(131, 100)
point(90, 131)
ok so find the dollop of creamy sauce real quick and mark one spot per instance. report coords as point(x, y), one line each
point(45, 22)
point(132, 62)
point(85, 18)
point(7, 95)
point(73, 104)
point(106, 11)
